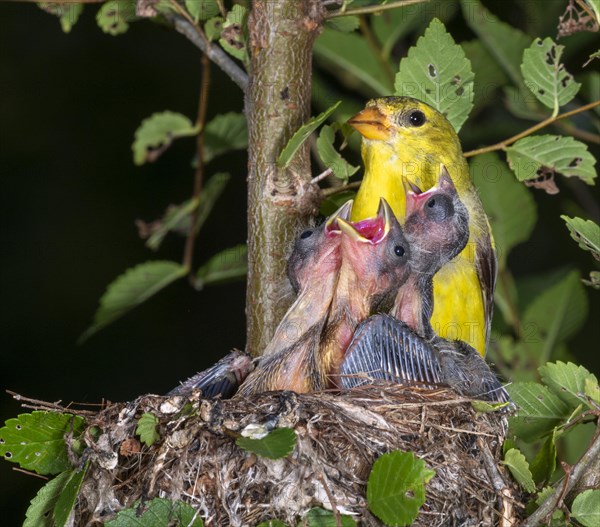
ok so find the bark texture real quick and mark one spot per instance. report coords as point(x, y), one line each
point(281, 34)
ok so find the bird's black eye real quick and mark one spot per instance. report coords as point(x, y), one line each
point(417, 118)
point(306, 234)
point(439, 208)
point(399, 250)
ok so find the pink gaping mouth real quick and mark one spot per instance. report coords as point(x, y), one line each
point(372, 229)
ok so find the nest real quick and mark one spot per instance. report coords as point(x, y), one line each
point(339, 436)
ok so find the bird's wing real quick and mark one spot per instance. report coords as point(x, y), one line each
point(385, 348)
point(466, 371)
point(486, 262)
point(223, 378)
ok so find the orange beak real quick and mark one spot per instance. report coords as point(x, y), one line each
point(371, 123)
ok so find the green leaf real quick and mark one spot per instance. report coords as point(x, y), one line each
point(224, 133)
point(68, 14)
point(488, 76)
point(556, 314)
point(532, 156)
point(113, 16)
point(275, 445)
point(396, 487)
point(68, 497)
point(350, 57)
point(592, 389)
point(157, 132)
point(301, 135)
point(345, 24)
point(36, 441)
point(586, 233)
point(503, 41)
point(272, 523)
point(318, 517)
point(131, 289)
point(586, 508)
point(213, 28)
point(544, 462)
point(40, 512)
point(177, 217)
point(508, 204)
point(202, 9)
point(437, 72)
point(519, 468)
point(158, 512)
point(546, 77)
point(540, 410)
point(227, 266)
point(331, 157)
point(146, 429)
point(567, 381)
point(233, 36)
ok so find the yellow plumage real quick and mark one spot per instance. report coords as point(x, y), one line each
point(405, 140)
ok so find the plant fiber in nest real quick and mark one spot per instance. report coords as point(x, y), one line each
point(339, 436)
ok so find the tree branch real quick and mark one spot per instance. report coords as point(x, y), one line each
point(280, 200)
point(373, 8)
point(190, 242)
point(579, 469)
point(214, 53)
point(507, 142)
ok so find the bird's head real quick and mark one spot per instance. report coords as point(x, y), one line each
point(436, 225)
point(403, 139)
point(404, 121)
point(375, 253)
point(316, 251)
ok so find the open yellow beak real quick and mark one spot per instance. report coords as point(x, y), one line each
point(351, 232)
point(371, 123)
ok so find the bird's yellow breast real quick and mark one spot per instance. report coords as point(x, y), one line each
point(458, 310)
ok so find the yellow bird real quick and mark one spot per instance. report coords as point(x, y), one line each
point(404, 142)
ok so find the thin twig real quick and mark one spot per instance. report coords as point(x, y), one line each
point(577, 471)
point(195, 35)
point(321, 176)
point(37, 404)
point(334, 190)
point(503, 144)
point(29, 473)
point(374, 8)
point(507, 518)
point(190, 242)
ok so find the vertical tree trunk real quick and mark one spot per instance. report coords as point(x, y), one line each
point(281, 34)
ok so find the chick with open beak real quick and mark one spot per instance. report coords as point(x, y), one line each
point(405, 349)
point(375, 258)
point(289, 362)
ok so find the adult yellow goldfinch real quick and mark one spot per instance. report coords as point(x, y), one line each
point(405, 141)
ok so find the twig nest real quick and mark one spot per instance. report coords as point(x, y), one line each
point(339, 436)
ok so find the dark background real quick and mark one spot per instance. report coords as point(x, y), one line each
point(69, 105)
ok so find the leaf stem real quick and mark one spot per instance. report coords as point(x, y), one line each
point(374, 45)
point(373, 8)
point(334, 190)
point(577, 471)
point(507, 142)
point(321, 176)
point(190, 242)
